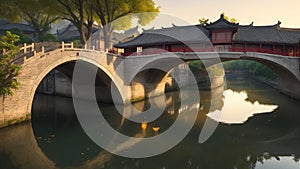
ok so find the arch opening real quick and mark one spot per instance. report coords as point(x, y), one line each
point(54, 117)
point(257, 70)
point(59, 82)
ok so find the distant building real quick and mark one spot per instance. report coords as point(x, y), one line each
point(70, 33)
point(223, 35)
point(24, 28)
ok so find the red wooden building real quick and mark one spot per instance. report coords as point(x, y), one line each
point(220, 35)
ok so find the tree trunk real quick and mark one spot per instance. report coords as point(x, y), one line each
point(3, 98)
point(89, 33)
point(107, 38)
point(82, 36)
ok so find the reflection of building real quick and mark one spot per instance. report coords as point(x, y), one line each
point(223, 35)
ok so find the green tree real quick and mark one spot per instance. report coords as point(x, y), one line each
point(118, 15)
point(48, 37)
point(80, 13)
point(23, 38)
point(39, 14)
point(8, 70)
point(8, 11)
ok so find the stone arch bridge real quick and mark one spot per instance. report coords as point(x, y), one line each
point(37, 63)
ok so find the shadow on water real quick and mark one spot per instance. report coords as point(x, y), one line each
point(263, 140)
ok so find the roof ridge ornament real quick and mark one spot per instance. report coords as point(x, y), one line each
point(222, 15)
point(278, 23)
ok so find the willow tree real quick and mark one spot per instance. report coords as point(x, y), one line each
point(8, 70)
point(39, 14)
point(118, 15)
point(80, 13)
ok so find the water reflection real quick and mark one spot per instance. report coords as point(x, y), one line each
point(237, 109)
point(278, 163)
point(269, 140)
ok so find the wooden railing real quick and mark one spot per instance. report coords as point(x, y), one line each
point(40, 49)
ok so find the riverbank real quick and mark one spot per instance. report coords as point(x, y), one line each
point(245, 74)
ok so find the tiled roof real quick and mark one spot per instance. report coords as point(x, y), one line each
point(175, 34)
point(22, 27)
point(267, 34)
point(70, 32)
point(272, 34)
point(222, 23)
point(132, 31)
point(4, 22)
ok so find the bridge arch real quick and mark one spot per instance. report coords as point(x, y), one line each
point(150, 75)
point(286, 68)
point(18, 107)
point(62, 61)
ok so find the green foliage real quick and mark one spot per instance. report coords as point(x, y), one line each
point(198, 66)
point(77, 44)
point(23, 38)
point(79, 12)
point(8, 11)
point(38, 13)
point(82, 13)
point(118, 14)
point(8, 70)
point(215, 70)
point(48, 37)
point(253, 67)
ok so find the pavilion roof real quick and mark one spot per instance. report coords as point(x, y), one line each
point(222, 23)
point(175, 34)
point(273, 34)
point(270, 34)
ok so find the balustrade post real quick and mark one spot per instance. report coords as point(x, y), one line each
point(62, 45)
point(43, 49)
point(32, 47)
point(25, 48)
point(72, 45)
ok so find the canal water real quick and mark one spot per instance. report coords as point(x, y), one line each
point(259, 129)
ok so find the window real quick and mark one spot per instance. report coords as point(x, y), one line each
point(222, 37)
point(139, 49)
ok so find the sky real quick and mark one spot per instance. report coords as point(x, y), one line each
point(261, 12)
